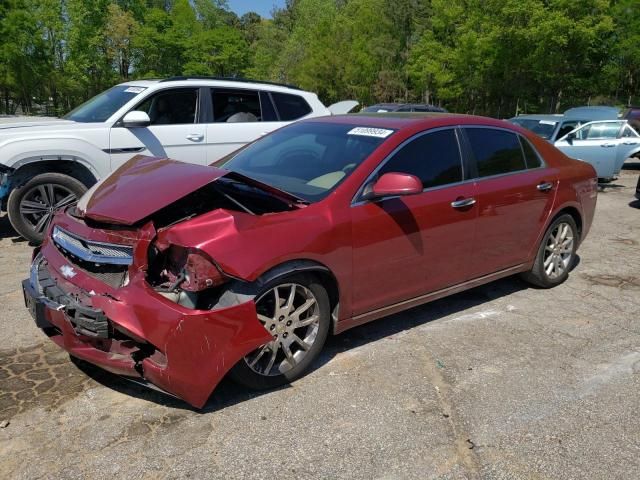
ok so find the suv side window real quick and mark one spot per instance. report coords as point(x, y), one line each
point(174, 106)
point(433, 157)
point(496, 151)
point(235, 106)
point(290, 107)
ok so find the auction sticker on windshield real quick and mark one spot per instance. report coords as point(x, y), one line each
point(370, 132)
point(135, 89)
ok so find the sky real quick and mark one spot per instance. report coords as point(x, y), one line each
point(263, 7)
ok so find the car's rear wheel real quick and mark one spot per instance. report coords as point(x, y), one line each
point(555, 254)
point(32, 205)
point(295, 310)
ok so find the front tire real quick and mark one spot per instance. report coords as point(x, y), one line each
point(556, 254)
point(31, 206)
point(295, 309)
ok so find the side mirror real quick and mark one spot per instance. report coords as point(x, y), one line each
point(135, 119)
point(571, 136)
point(393, 184)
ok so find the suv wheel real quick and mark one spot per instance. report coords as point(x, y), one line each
point(32, 205)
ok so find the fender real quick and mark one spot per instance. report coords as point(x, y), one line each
point(20, 152)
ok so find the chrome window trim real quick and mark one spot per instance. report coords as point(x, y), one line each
point(59, 238)
point(357, 200)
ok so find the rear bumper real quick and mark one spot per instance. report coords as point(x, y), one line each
point(137, 333)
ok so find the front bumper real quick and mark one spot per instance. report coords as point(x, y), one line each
point(135, 332)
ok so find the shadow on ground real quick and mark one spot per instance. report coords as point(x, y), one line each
point(7, 231)
point(228, 393)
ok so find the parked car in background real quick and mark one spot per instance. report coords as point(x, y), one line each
point(594, 113)
point(605, 144)
point(550, 127)
point(48, 164)
point(402, 107)
point(323, 225)
point(632, 115)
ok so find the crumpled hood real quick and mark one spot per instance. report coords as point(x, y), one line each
point(141, 187)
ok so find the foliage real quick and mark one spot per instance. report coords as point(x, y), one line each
point(495, 57)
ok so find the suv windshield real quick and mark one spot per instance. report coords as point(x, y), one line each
point(103, 105)
point(308, 160)
point(543, 128)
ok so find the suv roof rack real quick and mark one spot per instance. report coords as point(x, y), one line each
point(227, 79)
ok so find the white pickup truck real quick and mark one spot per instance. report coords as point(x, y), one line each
point(47, 164)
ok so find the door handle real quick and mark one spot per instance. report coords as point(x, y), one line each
point(629, 142)
point(545, 186)
point(195, 137)
point(607, 145)
point(465, 202)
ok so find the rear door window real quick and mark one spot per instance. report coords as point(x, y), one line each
point(235, 106)
point(290, 107)
point(530, 155)
point(434, 158)
point(496, 151)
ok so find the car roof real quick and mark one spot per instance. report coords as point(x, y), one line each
point(400, 105)
point(215, 81)
point(540, 116)
point(403, 120)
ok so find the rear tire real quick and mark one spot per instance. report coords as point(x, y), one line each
point(299, 322)
point(31, 206)
point(556, 254)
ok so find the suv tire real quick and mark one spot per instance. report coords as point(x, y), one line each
point(31, 206)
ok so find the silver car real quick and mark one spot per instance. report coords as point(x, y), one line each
point(605, 144)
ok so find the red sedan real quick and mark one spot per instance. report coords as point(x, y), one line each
point(177, 274)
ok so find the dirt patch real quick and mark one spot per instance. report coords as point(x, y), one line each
point(623, 282)
point(38, 376)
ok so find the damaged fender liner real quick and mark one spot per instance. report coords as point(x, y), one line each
point(211, 340)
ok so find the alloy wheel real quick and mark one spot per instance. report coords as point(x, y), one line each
point(558, 251)
point(291, 313)
point(41, 202)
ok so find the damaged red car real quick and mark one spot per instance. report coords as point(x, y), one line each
point(178, 274)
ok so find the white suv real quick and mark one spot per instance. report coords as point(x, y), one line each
point(48, 164)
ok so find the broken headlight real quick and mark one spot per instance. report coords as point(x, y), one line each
point(181, 274)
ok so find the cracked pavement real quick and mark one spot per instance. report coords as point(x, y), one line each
point(500, 382)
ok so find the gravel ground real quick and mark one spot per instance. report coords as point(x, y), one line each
point(500, 382)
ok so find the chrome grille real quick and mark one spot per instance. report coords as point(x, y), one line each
point(91, 251)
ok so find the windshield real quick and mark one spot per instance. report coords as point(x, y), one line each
point(308, 160)
point(103, 105)
point(543, 128)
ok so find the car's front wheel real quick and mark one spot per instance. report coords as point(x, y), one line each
point(555, 254)
point(32, 205)
point(296, 311)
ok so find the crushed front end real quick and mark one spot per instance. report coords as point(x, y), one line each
point(92, 291)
